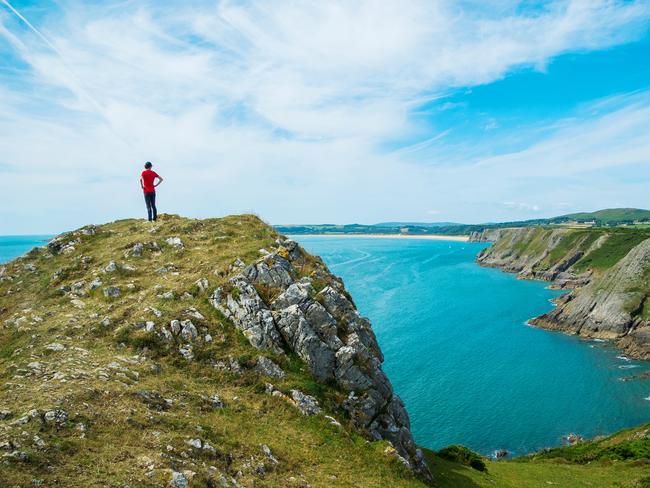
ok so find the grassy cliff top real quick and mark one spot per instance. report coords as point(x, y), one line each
point(89, 393)
point(600, 248)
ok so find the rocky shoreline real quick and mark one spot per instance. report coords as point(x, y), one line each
point(601, 302)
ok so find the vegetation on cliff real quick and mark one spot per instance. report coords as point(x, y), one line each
point(117, 370)
point(607, 270)
point(613, 217)
point(118, 367)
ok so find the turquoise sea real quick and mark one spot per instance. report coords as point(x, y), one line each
point(459, 352)
point(13, 246)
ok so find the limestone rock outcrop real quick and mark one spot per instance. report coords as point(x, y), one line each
point(313, 316)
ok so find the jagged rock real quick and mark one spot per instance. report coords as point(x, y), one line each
point(89, 230)
point(500, 454)
point(5, 414)
point(269, 454)
point(249, 313)
point(16, 456)
point(188, 331)
point(175, 326)
point(187, 352)
point(112, 267)
point(203, 284)
point(306, 404)
point(168, 295)
point(607, 307)
point(237, 264)
point(55, 346)
point(302, 338)
point(272, 270)
point(214, 401)
point(112, 292)
point(175, 242)
point(96, 283)
point(179, 480)
point(195, 443)
point(154, 311)
point(328, 333)
point(153, 400)
point(265, 366)
point(55, 417)
point(231, 365)
point(137, 250)
point(194, 313)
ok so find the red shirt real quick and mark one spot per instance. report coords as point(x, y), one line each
point(148, 176)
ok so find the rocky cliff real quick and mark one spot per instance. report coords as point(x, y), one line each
point(192, 353)
point(314, 317)
point(607, 272)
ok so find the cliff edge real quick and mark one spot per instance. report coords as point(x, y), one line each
point(606, 270)
point(192, 353)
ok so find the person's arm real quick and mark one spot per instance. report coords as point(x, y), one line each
point(141, 183)
point(160, 180)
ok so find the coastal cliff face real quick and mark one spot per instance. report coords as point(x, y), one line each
point(192, 353)
point(313, 316)
point(608, 272)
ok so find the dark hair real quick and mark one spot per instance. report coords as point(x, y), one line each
point(148, 165)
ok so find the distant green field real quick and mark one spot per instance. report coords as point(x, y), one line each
point(615, 247)
point(612, 217)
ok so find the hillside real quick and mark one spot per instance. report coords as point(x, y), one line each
point(611, 216)
point(215, 353)
point(608, 271)
point(119, 367)
point(602, 218)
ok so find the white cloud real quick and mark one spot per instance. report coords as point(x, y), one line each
point(281, 107)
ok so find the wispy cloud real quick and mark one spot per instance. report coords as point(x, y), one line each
point(282, 107)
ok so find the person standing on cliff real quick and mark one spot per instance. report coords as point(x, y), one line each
point(148, 183)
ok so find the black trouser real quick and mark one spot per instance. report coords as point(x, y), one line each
point(150, 199)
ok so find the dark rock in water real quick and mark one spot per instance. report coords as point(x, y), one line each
point(500, 454)
point(572, 439)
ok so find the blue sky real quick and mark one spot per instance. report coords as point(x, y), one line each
point(307, 112)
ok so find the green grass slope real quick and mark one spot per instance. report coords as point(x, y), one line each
point(620, 460)
point(88, 398)
point(610, 216)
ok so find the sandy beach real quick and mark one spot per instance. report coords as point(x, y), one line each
point(430, 237)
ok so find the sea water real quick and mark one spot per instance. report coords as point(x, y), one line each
point(13, 246)
point(460, 354)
